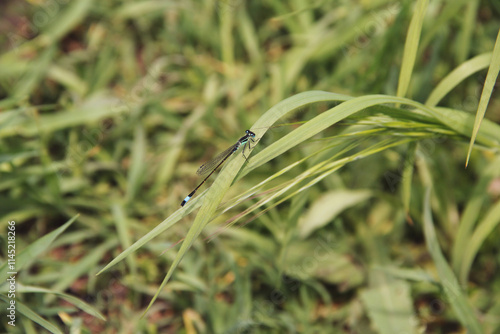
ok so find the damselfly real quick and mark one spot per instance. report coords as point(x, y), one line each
point(211, 166)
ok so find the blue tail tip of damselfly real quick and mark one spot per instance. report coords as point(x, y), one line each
point(185, 200)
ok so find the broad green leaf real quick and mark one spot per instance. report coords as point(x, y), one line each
point(390, 308)
point(327, 207)
point(316, 258)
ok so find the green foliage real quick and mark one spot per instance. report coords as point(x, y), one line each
point(108, 108)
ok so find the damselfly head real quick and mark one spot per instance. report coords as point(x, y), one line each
point(250, 133)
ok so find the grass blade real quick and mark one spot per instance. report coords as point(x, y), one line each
point(457, 76)
point(411, 47)
point(137, 167)
point(483, 230)
point(71, 299)
point(35, 249)
point(459, 303)
point(23, 309)
point(489, 84)
point(477, 199)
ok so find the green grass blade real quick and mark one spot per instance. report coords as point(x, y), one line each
point(468, 28)
point(88, 262)
point(459, 303)
point(477, 199)
point(67, 78)
point(227, 40)
point(318, 124)
point(162, 227)
point(34, 74)
point(34, 250)
point(17, 156)
point(483, 230)
point(28, 123)
point(456, 120)
point(71, 299)
point(462, 123)
point(320, 172)
point(123, 229)
point(417, 275)
point(71, 16)
point(135, 10)
point(408, 177)
point(411, 47)
point(489, 84)
point(293, 103)
point(24, 310)
point(249, 36)
point(458, 75)
point(137, 167)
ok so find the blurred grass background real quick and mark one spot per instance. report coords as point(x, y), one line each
point(108, 108)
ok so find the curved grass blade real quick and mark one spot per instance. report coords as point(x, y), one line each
point(71, 299)
point(457, 121)
point(483, 230)
point(457, 76)
point(471, 213)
